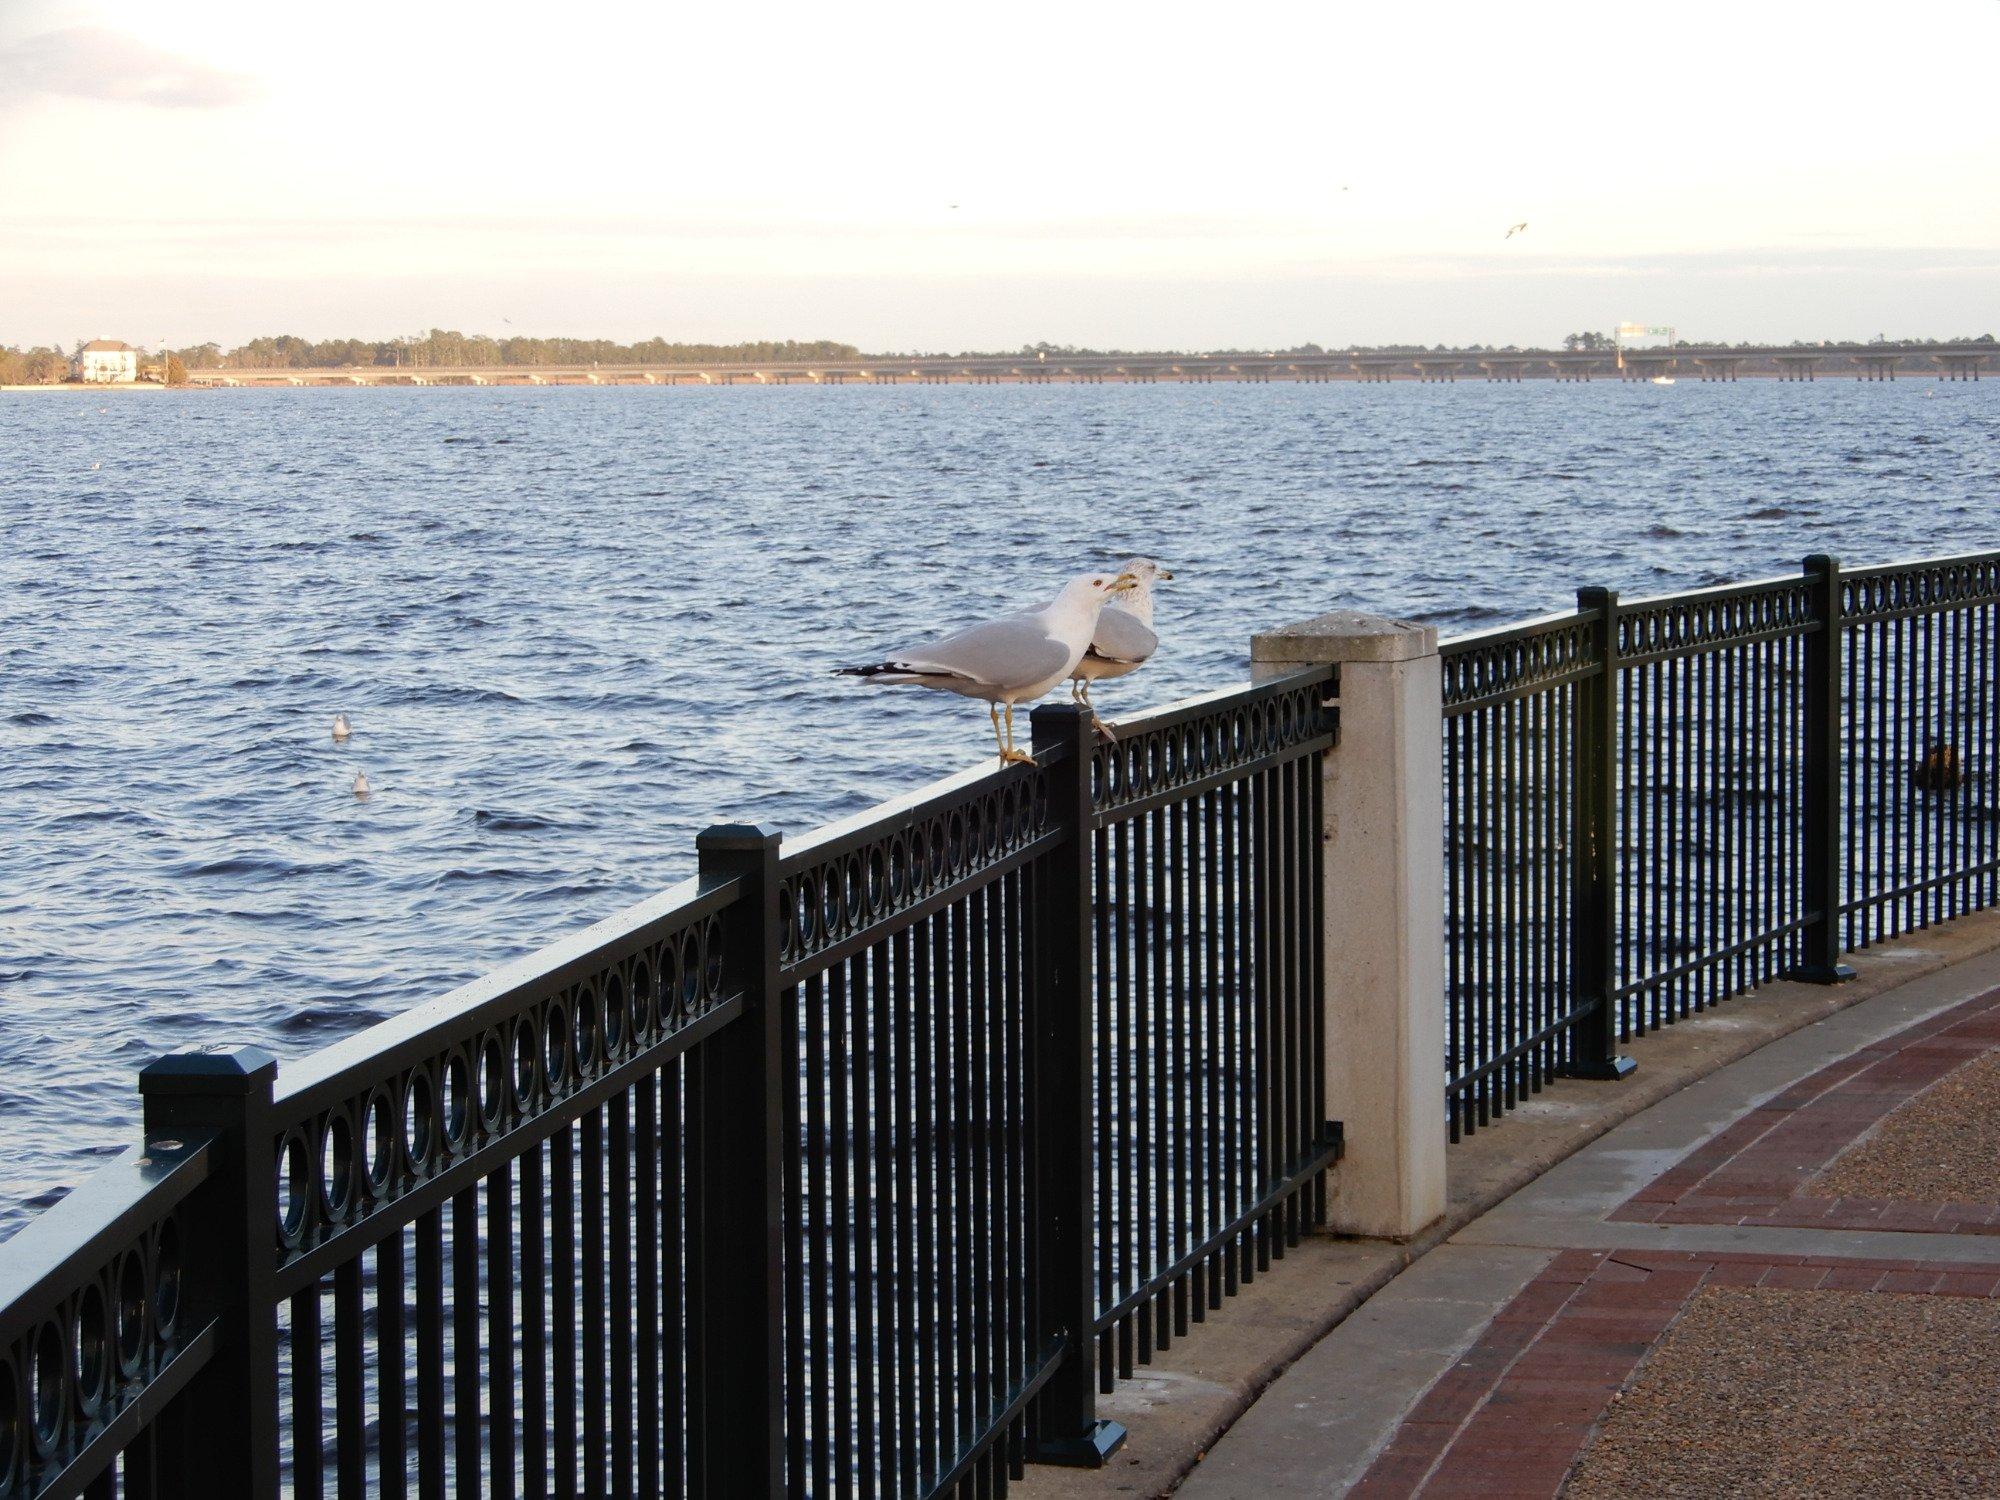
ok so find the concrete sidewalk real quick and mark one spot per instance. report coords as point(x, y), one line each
point(1565, 1335)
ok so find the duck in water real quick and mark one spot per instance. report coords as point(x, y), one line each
point(1938, 771)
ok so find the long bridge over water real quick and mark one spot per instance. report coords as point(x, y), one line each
point(1871, 362)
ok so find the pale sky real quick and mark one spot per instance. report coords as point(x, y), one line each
point(941, 177)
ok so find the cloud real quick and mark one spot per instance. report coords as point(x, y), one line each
point(90, 62)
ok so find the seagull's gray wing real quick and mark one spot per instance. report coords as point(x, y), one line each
point(1123, 637)
point(1015, 652)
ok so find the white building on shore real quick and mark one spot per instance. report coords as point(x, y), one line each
point(107, 362)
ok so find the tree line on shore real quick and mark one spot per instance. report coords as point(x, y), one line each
point(447, 348)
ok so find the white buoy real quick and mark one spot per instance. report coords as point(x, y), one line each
point(361, 785)
point(341, 728)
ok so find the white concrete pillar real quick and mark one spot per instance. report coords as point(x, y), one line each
point(1384, 914)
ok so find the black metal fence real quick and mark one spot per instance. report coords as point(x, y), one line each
point(1650, 805)
point(856, 1166)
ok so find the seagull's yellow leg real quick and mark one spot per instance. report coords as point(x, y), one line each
point(1079, 691)
point(993, 712)
point(1009, 755)
point(1103, 729)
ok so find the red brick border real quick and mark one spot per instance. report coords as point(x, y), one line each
point(1752, 1172)
point(1512, 1417)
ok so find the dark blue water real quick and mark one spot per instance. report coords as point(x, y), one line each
point(573, 627)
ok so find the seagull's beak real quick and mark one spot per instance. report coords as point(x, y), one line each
point(1124, 583)
point(1165, 575)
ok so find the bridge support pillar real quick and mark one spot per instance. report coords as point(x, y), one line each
point(1383, 914)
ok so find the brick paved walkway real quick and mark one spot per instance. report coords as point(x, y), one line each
point(1490, 1366)
point(1754, 1172)
point(1514, 1415)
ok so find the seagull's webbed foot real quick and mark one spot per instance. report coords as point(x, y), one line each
point(1009, 756)
point(1104, 731)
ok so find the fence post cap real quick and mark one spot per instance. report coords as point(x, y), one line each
point(212, 1070)
point(1056, 711)
point(735, 836)
point(1345, 635)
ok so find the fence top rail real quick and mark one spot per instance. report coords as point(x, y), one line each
point(1721, 593)
point(1222, 700)
point(869, 876)
point(848, 835)
point(383, 1050)
point(1506, 635)
point(1518, 661)
point(83, 1238)
point(1920, 565)
point(1211, 741)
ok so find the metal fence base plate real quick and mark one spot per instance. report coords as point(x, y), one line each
point(1090, 1449)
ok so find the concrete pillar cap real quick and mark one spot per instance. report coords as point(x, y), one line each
point(1345, 635)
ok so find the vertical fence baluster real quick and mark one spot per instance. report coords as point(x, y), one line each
point(645, 1221)
point(308, 1417)
point(562, 1300)
point(861, 1145)
point(391, 1356)
point(350, 1396)
point(676, 1408)
point(534, 1328)
point(465, 1356)
point(595, 1225)
point(1109, 898)
point(500, 1328)
point(430, 1354)
point(618, 1224)
point(932, 1403)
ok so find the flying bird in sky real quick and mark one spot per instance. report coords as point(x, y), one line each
point(1516, 229)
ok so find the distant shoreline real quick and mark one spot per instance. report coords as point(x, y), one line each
point(1696, 363)
point(217, 387)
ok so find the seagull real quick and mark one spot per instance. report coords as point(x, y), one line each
point(341, 728)
point(361, 787)
point(1516, 229)
point(1014, 659)
point(1125, 640)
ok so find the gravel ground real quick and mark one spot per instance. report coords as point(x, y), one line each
point(1774, 1392)
point(1941, 1146)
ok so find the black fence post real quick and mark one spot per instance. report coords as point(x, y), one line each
point(1594, 855)
point(743, 1068)
point(1066, 1425)
point(225, 1436)
point(1819, 873)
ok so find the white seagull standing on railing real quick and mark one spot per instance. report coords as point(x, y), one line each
point(1011, 660)
point(1125, 640)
